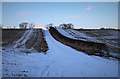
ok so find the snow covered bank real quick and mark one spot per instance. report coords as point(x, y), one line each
point(88, 47)
point(60, 61)
point(77, 35)
point(109, 37)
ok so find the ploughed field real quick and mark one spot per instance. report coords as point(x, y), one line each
point(11, 35)
point(108, 37)
point(24, 38)
point(90, 41)
point(21, 57)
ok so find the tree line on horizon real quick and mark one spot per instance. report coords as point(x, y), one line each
point(25, 25)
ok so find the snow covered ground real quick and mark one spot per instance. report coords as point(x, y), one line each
point(0, 61)
point(77, 35)
point(65, 33)
point(71, 33)
point(109, 37)
point(60, 61)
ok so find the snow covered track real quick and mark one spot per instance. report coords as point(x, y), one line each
point(73, 63)
point(60, 61)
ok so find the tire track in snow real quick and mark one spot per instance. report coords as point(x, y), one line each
point(21, 42)
point(30, 39)
point(44, 72)
point(81, 36)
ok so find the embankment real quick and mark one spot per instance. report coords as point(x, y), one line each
point(91, 48)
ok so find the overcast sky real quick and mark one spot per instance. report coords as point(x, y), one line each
point(81, 14)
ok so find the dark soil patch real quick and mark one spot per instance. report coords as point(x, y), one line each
point(37, 41)
point(11, 35)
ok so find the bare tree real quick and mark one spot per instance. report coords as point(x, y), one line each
point(32, 25)
point(50, 25)
point(66, 26)
point(23, 25)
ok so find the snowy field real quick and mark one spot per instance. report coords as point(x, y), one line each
point(60, 61)
point(109, 37)
point(93, 35)
point(77, 35)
